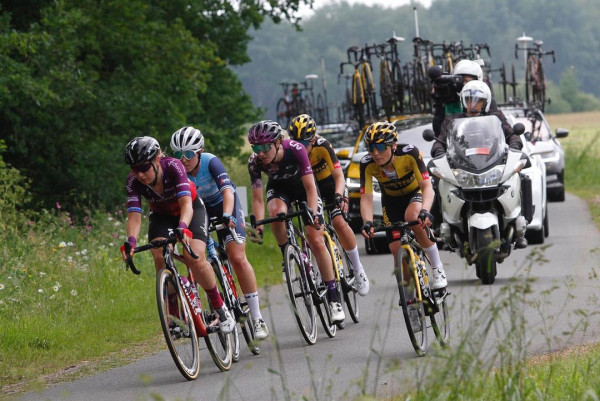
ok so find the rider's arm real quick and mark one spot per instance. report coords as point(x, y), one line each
point(366, 190)
point(221, 178)
point(258, 204)
point(428, 194)
point(366, 207)
point(187, 211)
point(134, 224)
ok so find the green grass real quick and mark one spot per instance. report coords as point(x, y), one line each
point(66, 300)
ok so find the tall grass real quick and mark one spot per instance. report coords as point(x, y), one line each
point(66, 300)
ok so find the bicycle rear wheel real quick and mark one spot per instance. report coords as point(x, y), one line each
point(248, 331)
point(177, 325)
point(299, 291)
point(220, 345)
point(319, 292)
point(231, 302)
point(404, 272)
point(348, 286)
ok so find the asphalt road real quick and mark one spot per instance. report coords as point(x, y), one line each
point(375, 356)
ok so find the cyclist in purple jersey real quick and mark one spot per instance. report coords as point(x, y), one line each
point(217, 191)
point(290, 178)
point(174, 205)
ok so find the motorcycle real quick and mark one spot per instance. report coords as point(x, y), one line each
point(480, 192)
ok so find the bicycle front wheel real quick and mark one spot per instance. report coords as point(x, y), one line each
point(319, 291)
point(248, 332)
point(300, 296)
point(177, 325)
point(439, 320)
point(417, 330)
point(348, 286)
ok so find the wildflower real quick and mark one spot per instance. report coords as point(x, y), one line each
point(84, 251)
point(111, 244)
point(110, 218)
point(40, 290)
point(42, 274)
point(56, 288)
point(74, 293)
point(1, 286)
point(58, 205)
point(62, 244)
point(52, 296)
point(69, 243)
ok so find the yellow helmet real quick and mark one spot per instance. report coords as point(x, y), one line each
point(381, 132)
point(302, 128)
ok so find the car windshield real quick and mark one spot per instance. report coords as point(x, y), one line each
point(476, 143)
point(339, 137)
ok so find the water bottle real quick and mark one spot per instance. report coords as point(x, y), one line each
point(210, 250)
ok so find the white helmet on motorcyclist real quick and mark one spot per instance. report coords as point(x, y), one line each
point(468, 67)
point(476, 96)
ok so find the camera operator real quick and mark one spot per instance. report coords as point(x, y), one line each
point(446, 90)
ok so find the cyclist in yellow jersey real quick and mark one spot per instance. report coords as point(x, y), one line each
point(406, 192)
point(332, 187)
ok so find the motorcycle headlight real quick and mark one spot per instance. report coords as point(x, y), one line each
point(488, 179)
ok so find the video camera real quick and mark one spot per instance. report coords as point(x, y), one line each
point(447, 88)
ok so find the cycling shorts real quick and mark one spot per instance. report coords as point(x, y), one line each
point(394, 208)
point(293, 193)
point(225, 236)
point(160, 224)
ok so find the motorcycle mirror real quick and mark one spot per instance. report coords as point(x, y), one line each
point(428, 135)
point(518, 128)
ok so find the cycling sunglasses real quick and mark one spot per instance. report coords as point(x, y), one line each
point(263, 147)
point(141, 168)
point(381, 147)
point(188, 154)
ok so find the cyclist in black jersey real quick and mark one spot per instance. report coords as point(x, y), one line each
point(332, 186)
point(290, 178)
point(406, 192)
point(174, 206)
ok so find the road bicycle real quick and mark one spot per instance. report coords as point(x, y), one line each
point(535, 78)
point(225, 275)
point(363, 86)
point(420, 85)
point(345, 110)
point(315, 108)
point(181, 315)
point(412, 276)
point(343, 270)
point(306, 289)
point(291, 104)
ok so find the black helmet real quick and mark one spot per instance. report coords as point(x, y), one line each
point(140, 150)
point(381, 132)
point(302, 128)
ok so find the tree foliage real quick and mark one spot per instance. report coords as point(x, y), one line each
point(80, 78)
point(280, 53)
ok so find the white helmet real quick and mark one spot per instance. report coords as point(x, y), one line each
point(474, 91)
point(187, 138)
point(468, 67)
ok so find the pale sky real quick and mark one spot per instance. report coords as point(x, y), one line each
point(384, 3)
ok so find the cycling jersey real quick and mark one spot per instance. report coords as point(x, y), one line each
point(284, 173)
point(409, 169)
point(323, 159)
point(175, 185)
point(211, 180)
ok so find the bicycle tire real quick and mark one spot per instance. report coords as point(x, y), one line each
point(299, 292)
point(283, 114)
point(369, 87)
point(405, 267)
point(220, 345)
point(387, 90)
point(248, 333)
point(438, 313)
point(399, 86)
point(358, 99)
point(231, 303)
point(181, 339)
point(347, 281)
point(319, 294)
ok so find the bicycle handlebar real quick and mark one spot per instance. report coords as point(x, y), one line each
point(220, 226)
point(402, 225)
point(153, 245)
point(306, 212)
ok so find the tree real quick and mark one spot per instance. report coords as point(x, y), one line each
point(81, 78)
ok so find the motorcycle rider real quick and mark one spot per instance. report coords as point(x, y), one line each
point(476, 99)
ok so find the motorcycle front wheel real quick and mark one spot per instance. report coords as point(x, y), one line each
point(485, 265)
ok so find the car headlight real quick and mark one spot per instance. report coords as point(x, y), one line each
point(488, 179)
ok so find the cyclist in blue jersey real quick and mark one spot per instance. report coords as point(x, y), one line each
point(290, 178)
point(174, 205)
point(217, 191)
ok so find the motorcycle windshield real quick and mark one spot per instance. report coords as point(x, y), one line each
point(476, 143)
